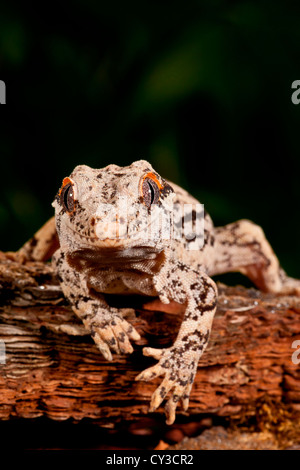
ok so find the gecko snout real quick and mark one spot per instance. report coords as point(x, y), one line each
point(109, 227)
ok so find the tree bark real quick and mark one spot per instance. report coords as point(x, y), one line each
point(49, 365)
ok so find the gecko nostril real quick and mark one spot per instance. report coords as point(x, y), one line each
point(93, 221)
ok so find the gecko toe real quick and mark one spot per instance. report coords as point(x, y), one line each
point(160, 394)
point(170, 410)
point(185, 399)
point(150, 373)
point(103, 347)
point(155, 353)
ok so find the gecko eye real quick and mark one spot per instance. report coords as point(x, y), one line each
point(150, 192)
point(67, 198)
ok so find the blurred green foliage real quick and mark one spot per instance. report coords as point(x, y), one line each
point(202, 90)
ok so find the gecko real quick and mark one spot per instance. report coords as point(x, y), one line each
point(126, 230)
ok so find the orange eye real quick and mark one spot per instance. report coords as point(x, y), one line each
point(150, 189)
point(66, 195)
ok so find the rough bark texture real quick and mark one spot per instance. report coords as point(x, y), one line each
point(49, 365)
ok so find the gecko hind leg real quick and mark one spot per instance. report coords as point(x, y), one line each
point(243, 247)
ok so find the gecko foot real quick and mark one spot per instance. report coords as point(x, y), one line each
point(179, 369)
point(113, 333)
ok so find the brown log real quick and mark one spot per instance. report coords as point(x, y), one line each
point(49, 365)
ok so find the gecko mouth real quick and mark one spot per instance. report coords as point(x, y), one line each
point(105, 256)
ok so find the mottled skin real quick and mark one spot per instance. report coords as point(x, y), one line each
point(103, 252)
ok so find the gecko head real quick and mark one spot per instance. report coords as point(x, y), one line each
point(115, 208)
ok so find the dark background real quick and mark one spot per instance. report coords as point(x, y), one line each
point(201, 89)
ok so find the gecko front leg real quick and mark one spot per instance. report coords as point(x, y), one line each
point(179, 362)
point(107, 327)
